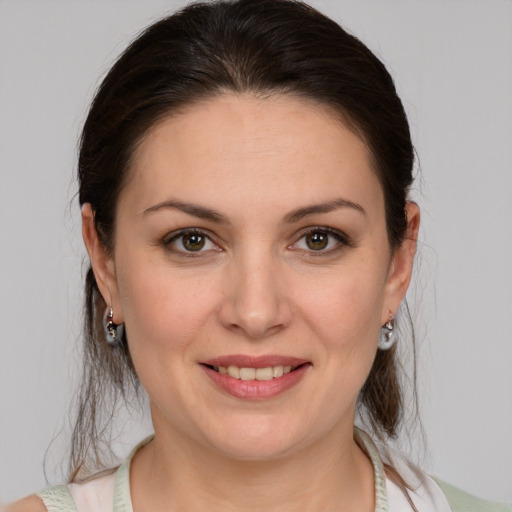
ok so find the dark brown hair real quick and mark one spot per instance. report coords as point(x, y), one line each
point(255, 47)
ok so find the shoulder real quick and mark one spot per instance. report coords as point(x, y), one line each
point(51, 499)
point(461, 501)
point(430, 494)
point(28, 504)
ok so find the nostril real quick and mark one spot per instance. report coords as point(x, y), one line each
point(254, 306)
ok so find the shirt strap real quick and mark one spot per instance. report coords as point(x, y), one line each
point(57, 499)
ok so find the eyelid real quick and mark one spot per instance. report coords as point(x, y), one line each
point(168, 240)
point(341, 237)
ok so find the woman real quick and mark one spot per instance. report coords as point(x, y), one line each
point(244, 172)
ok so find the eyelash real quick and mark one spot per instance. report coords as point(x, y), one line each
point(174, 237)
point(341, 238)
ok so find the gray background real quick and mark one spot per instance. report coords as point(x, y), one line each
point(452, 61)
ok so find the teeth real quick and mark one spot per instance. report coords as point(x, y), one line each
point(247, 373)
point(264, 373)
point(278, 371)
point(268, 373)
point(233, 371)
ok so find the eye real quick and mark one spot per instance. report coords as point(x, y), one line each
point(321, 240)
point(317, 241)
point(190, 241)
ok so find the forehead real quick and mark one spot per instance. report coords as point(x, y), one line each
point(280, 148)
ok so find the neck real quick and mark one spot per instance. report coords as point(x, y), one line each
point(178, 473)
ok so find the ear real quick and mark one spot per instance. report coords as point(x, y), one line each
point(400, 270)
point(102, 263)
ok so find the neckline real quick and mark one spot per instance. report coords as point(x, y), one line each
point(122, 494)
point(366, 443)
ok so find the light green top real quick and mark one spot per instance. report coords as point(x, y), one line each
point(461, 501)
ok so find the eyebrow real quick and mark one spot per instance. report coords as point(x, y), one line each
point(294, 216)
point(330, 206)
point(190, 208)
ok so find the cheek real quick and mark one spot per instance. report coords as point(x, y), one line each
point(342, 315)
point(343, 311)
point(344, 307)
point(161, 309)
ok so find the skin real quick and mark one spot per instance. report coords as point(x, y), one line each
point(255, 288)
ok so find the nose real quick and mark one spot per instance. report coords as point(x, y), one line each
point(255, 301)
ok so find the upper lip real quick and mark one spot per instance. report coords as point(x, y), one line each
point(248, 361)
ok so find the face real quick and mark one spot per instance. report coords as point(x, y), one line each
point(253, 273)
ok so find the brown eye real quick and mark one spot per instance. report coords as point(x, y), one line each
point(193, 241)
point(190, 242)
point(322, 241)
point(317, 240)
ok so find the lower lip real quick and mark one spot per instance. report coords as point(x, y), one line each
point(256, 389)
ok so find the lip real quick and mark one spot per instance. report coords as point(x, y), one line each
point(247, 361)
point(255, 389)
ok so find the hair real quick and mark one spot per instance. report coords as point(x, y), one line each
point(257, 47)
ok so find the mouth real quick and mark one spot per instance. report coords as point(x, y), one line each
point(250, 373)
point(255, 378)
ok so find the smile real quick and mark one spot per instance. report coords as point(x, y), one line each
point(255, 378)
point(244, 373)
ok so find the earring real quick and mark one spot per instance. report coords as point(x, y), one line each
point(113, 332)
point(387, 336)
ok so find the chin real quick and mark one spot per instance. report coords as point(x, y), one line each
point(255, 451)
point(257, 441)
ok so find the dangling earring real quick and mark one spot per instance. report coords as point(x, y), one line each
point(387, 336)
point(113, 332)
